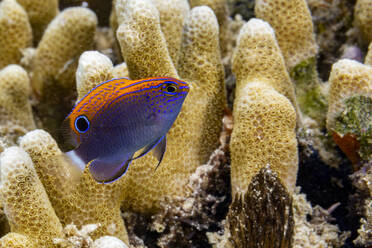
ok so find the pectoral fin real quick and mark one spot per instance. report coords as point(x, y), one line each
point(160, 150)
point(148, 148)
point(108, 170)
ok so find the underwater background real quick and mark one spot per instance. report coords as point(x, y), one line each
point(272, 147)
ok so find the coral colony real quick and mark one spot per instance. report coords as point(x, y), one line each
point(272, 147)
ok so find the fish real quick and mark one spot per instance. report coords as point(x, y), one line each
point(119, 117)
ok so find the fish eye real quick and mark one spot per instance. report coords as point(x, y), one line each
point(82, 124)
point(170, 88)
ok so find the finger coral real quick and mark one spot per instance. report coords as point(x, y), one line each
point(349, 115)
point(220, 9)
point(93, 68)
point(15, 109)
point(80, 201)
point(40, 13)
point(26, 203)
point(258, 104)
point(197, 128)
point(15, 32)
point(55, 62)
point(266, 119)
point(222, 183)
point(140, 33)
point(257, 43)
point(263, 143)
point(294, 32)
point(293, 27)
point(363, 19)
point(172, 14)
point(16, 240)
point(368, 59)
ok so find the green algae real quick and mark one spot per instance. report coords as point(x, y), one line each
point(310, 97)
point(357, 119)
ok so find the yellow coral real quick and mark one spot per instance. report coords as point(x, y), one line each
point(172, 14)
point(368, 59)
point(220, 9)
point(348, 78)
point(15, 32)
point(15, 109)
point(40, 14)
point(120, 70)
point(16, 240)
point(26, 203)
point(263, 134)
point(93, 68)
point(293, 27)
point(55, 62)
point(82, 201)
point(67, 36)
point(140, 33)
point(258, 58)
point(195, 133)
point(350, 101)
point(264, 120)
point(363, 18)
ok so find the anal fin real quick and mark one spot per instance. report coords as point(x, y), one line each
point(108, 170)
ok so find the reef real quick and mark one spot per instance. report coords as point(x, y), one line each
point(272, 147)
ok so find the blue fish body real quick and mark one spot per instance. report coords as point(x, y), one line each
point(120, 117)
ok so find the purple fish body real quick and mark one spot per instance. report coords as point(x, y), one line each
point(120, 117)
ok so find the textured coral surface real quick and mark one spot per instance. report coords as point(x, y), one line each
point(286, 163)
point(194, 134)
point(15, 32)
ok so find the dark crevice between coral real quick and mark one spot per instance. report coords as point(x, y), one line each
point(177, 226)
point(53, 108)
point(326, 186)
point(101, 8)
point(332, 21)
point(263, 217)
point(243, 7)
